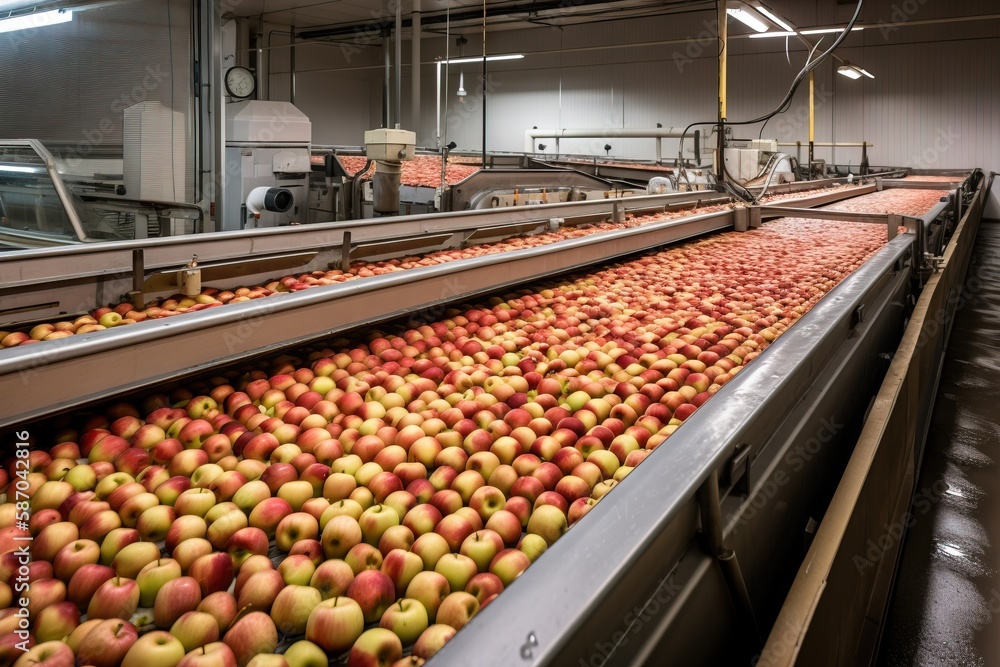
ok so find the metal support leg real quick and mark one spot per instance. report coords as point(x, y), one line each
point(138, 279)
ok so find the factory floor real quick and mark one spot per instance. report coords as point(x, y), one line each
point(946, 603)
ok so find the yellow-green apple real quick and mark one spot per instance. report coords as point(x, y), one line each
point(153, 576)
point(184, 528)
point(222, 607)
point(340, 535)
point(107, 643)
point(431, 547)
point(75, 638)
point(224, 527)
point(482, 546)
point(250, 495)
point(374, 591)
point(268, 660)
point(295, 493)
point(506, 449)
point(331, 578)
point(73, 556)
point(600, 490)
point(55, 622)
point(194, 432)
point(429, 589)
point(304, 653)
point(547, 521)
point(85, 581)
point(115, 598)
point(52, 538)
point(188, 551)
point(422, 519)
point(216, 654)
point(485, 463)
point(251, 566)
point(133, 557)
point(213, 572)
point(205, 474)
point(81, 477)
point(484, 586)
point(133, 508)
point(291, 608)
point(363, 557)
point(509, 564)
point(407, 619)
point(219, 510)
point(169, 490)
point(486, 501)
point(269, 513)
point(457, 609)
point(51, 653)
point(152, 477)
point(432, 639)
point(377, 647)
point(457, 569)
point(115, 541)
point(532, 546)
point(606, 461)
point(347, 507)
point(466, 484)
point(335, 624)
point(51, 495)
point(195, 629)
point(260, 590)
point(297, 569)
point(175, 598)
point(395, 537)
point(251, 634)
point(155, 649)
point(251, 469)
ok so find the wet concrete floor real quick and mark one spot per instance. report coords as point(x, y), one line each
point(946, 604)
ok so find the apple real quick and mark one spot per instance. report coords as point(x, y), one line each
point(221, 607)
point(115, 541)
point(482, 547)
point(431, 547)
point(175, 598)
point(341, 534)
point(216, 654)
point(395, 537)
point(401, 566)
point(155, 649)
point(188, 551)
point(578, 508)
point(295, 527)
point(297, 569)
point(486, 501)
point(377, 647)
point(81, 477)
point(154, 523)
point(430, 589)
point(375, 520)
point(506, 525)
point(184, 528)
point(457, 609)
point(316, 475)
point(251, 634)
point(296, 493)
point(292, 607)
point(401, 501)
point(406, 618)
point(224, 527)
point(79, 633)
point(332, 578)
point(133, 557)
point(246, 542)
point(115, 598)
point(195, 629)
point(316, 507)
point(213, 572)
point(454, 529)
point(153, 576)
point(46, 654)
point(250, 567)
point(57, 621)
point(484, 585)
point(97, 526)
point(432, 639)
point(347, 506)
point(269, 513)
point(194, 502)
point(335, 624)
point(268, 660)
point(134, 507)
point(226, 485)
point(532, 546)
point(107, 643)
point(85, 582)
point(277, 474)
point(52, 538)
point(51, 495)
point(73, 556)
point(250, 495)
point(509, 564)
point(374, 591)
point(260, 590)
point(338, 486)
point(422, 519)
point(457, 569)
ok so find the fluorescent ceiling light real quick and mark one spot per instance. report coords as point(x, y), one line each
point(825, 31)
point(459, 61)
point(849, 72)
point(748, 19)
point(775, 19)
point(20, 170)
point(760, 35)
point(39, 20)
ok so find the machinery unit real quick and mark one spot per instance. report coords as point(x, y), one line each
point(267, 145)
point(388, 147)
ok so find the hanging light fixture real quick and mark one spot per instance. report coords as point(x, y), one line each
point(462, 41)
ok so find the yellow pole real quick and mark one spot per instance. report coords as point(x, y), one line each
point(812, 108)
point(723, 56)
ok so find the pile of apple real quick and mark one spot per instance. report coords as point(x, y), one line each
point(125, 314)
point(421, 171)
point(370, 498)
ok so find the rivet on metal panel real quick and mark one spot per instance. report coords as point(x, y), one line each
point(526, 648)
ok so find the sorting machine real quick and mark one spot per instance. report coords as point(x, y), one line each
point(689, 561)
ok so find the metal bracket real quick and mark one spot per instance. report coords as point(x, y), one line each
point(858, 316)
point(737, 469)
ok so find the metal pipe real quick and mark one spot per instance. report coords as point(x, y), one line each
point(415, 70)
point(398, 48)
point(603, 133)
point(385, 86)
point(291, 66)
point(484, 83)
point(437, 132)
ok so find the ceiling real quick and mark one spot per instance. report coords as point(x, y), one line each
point(344, 17)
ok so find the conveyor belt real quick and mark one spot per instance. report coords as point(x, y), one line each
point(946, 592)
